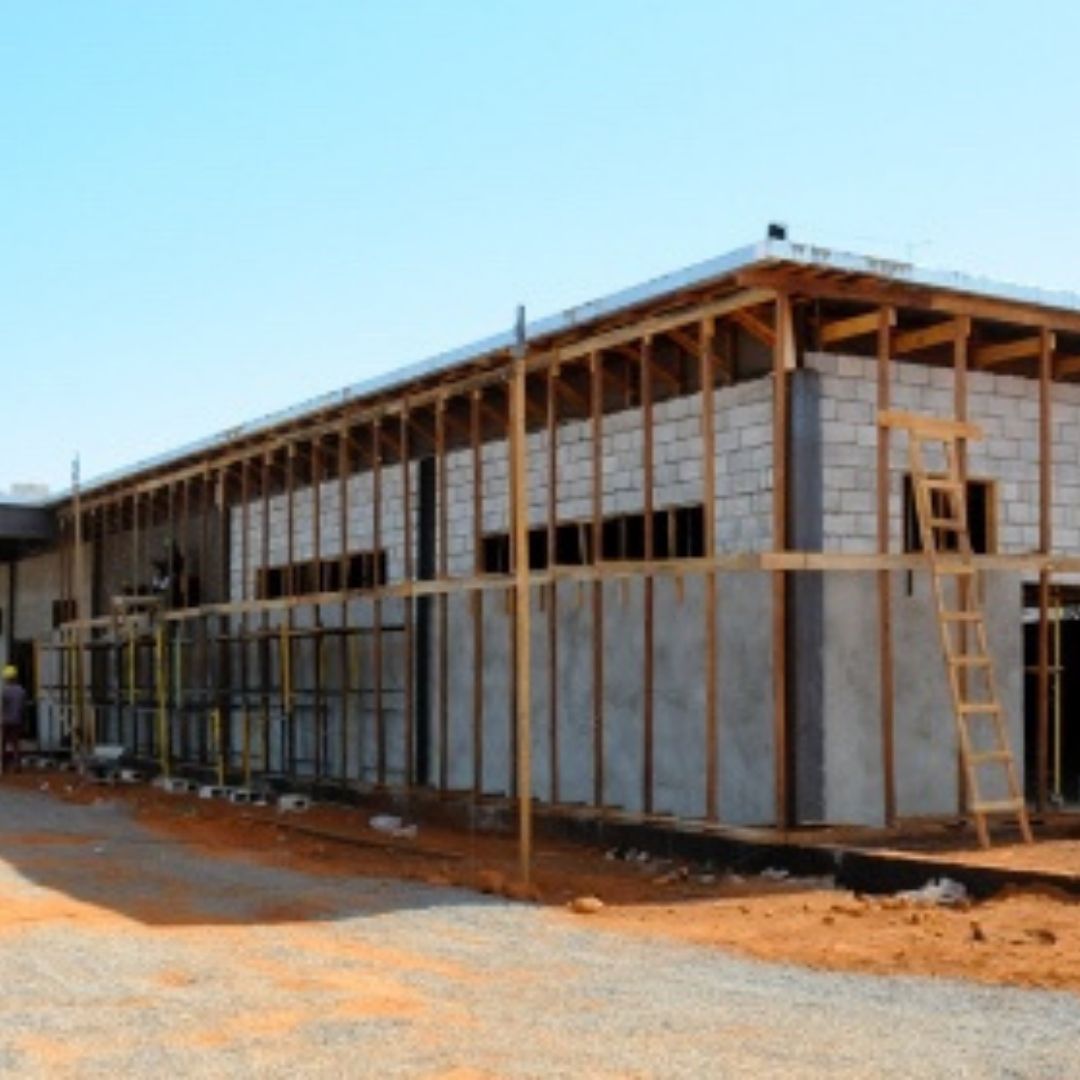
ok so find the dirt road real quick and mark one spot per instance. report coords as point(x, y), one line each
point(129, 952)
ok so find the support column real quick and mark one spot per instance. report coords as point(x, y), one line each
point(1042, 745)
point(783, 363)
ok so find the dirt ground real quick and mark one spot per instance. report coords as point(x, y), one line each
point(1018, 938)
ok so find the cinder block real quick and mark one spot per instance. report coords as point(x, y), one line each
point(293, 804)
point(213, 791)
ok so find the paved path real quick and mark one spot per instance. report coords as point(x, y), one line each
point(125, 954)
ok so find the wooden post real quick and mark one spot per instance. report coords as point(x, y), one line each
point(708, 499)
point(317, 726)
point(596, 405)
point(265, 666)
point(410, 604)
point(343, 586)
point(245, 622)
point(443, 600)
point(288, 747)
point(522, 655)
point(783, 363)
point(552, 588)
point(1046, 465)
point(649, 584)
point(963, 586)
point(885, 635)
point(82, 739)
point(377, 604)
point(478, 596)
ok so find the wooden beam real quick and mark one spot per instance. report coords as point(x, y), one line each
point(930, 425)
point(929, 337)
point(754, 326)
point(685, 341)
point(854, 327)
point(1006, 351)
point(1064, 366)
point(913, 297)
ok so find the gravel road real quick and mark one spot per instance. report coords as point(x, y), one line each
point(128, 954)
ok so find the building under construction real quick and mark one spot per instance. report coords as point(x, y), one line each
point(676, 553)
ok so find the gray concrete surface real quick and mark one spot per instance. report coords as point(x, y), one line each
point(126, 954)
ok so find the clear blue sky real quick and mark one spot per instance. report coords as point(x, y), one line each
point(214, 210)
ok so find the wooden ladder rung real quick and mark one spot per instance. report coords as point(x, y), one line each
point(954, 568)
point(976, 660)
point(978, 708)
point(999, 806)
point(961, 616)
point(943, 483)
point(984, 757)
point(945, 524)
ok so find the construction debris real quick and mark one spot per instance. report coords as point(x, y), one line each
point(943, 891)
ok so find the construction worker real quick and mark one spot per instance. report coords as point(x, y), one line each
point(14, 701)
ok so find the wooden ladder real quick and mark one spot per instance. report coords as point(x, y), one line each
point(941, 510)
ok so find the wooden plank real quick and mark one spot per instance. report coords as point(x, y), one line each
point(855, 326)
point(708, 499)
point(983, 356)
point(929, 337)
point(886, 318)
point(930, 426)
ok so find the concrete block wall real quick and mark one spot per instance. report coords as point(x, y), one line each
point(743, 519)
point(743, 432)
point(924, 728)
point(925, 748)
point(360, 520)
point(1005, 406)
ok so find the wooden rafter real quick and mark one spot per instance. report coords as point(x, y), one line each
point(900, 294)
point(754, 326)
point(929, 337)
point(856, 326)
point(1006, 351)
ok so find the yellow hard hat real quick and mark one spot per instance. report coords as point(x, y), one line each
point(11, 672)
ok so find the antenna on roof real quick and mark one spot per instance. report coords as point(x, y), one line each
point(776, 230)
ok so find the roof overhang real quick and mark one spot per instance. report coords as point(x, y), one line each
point(807, 269)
